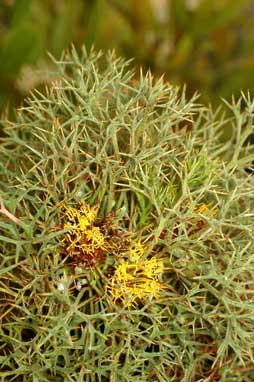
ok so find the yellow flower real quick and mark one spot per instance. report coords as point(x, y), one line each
point(136, 279)
point(206, 209)
point(88, 213)
point(95, 239)
point(136, 252)
point(79, 219)
point(83, 238)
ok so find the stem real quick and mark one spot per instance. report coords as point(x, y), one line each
point(5, 212)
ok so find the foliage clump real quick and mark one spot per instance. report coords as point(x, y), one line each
point(127, 232)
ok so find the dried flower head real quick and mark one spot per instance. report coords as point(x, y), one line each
point(84, 239)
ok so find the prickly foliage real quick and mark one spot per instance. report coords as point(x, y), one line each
point(154, 165)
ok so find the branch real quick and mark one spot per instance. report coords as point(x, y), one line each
point(5, 212)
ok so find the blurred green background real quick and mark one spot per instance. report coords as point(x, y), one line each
point(207, 45)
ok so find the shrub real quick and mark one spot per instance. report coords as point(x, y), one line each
point(127, 232)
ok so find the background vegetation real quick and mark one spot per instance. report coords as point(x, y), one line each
point(209, 45)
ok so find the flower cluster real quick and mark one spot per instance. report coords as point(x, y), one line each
point(136, 279)
point(84, 240)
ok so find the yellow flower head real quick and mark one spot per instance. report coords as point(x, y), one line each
point(79, 219)
point(136, 279)
point(136, 252)
point(84, 240)
point(206, 209)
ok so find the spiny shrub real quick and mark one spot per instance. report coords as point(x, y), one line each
point(127, 232)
